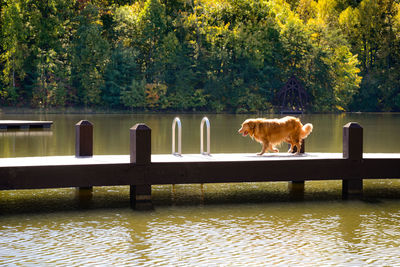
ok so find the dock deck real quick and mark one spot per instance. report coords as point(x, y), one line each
point(162, 158)
point(24, 125)
point(184, 158)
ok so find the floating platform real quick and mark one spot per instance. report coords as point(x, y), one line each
point(24, 125)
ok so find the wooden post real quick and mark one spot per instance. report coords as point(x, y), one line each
point(296, 188)
point(84, 139)
point(84, 196)
point(84, 148)
point(140, 154)
point(353, 151)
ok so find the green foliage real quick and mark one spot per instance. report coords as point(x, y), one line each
point(120, 75)
point(13, 41)
point(220, 55)
point(134, 96)
point(90, 55)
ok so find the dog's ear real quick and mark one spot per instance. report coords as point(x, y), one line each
point(252, 125)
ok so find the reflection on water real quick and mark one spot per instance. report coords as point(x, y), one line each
point(309, 233)
point(253, 224)
point(31, 132)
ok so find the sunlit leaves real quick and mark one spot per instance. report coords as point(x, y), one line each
point(231, 55)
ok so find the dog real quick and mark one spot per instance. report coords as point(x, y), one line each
point(272, 132)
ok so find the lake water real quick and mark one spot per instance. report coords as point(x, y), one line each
point(254, 224)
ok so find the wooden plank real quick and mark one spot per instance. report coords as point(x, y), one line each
point(63, 161)
point(234, 157)
point(59, 176)
point(250, 171)
point(22, 124)
point(381, 168)
point(69, 171)
point(169, 158)
point(160, 158)
point(32, 177)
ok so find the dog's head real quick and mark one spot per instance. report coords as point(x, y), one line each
point(247, 127)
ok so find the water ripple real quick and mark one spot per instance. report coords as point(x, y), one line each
point(333, 233)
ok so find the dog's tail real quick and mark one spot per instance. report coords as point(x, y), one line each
point(306, 130)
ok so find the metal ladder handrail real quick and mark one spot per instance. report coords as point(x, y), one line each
point(177, 120)
point(204, 120)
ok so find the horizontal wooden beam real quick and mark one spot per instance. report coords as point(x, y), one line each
point(58, 176)
point(380, 168)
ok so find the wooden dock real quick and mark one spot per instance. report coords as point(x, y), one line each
point(110, 170)
point(140, 169)
point(24, 125)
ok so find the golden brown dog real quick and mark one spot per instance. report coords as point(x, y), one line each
point(272, 132)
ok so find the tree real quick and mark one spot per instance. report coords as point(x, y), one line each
point(14, 37)
point(135, 95)
point(90, 55)
point(121, 73)
point(50, 70)
point(152, 25)
point(371, 30)
point(231, 55)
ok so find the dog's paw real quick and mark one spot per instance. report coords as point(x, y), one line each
point(260, 154)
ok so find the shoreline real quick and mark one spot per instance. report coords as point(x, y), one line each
point(16, 111)
point(73, 110)
point(9, 110)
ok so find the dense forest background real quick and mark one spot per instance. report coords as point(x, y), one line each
point(185, 55)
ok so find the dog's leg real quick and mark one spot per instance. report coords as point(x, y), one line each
point(264, 148)
point(298, 147)
point(290, 149)
point(287, 140)
point(273, 148)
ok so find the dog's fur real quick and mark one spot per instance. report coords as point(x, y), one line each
point(272, 132)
